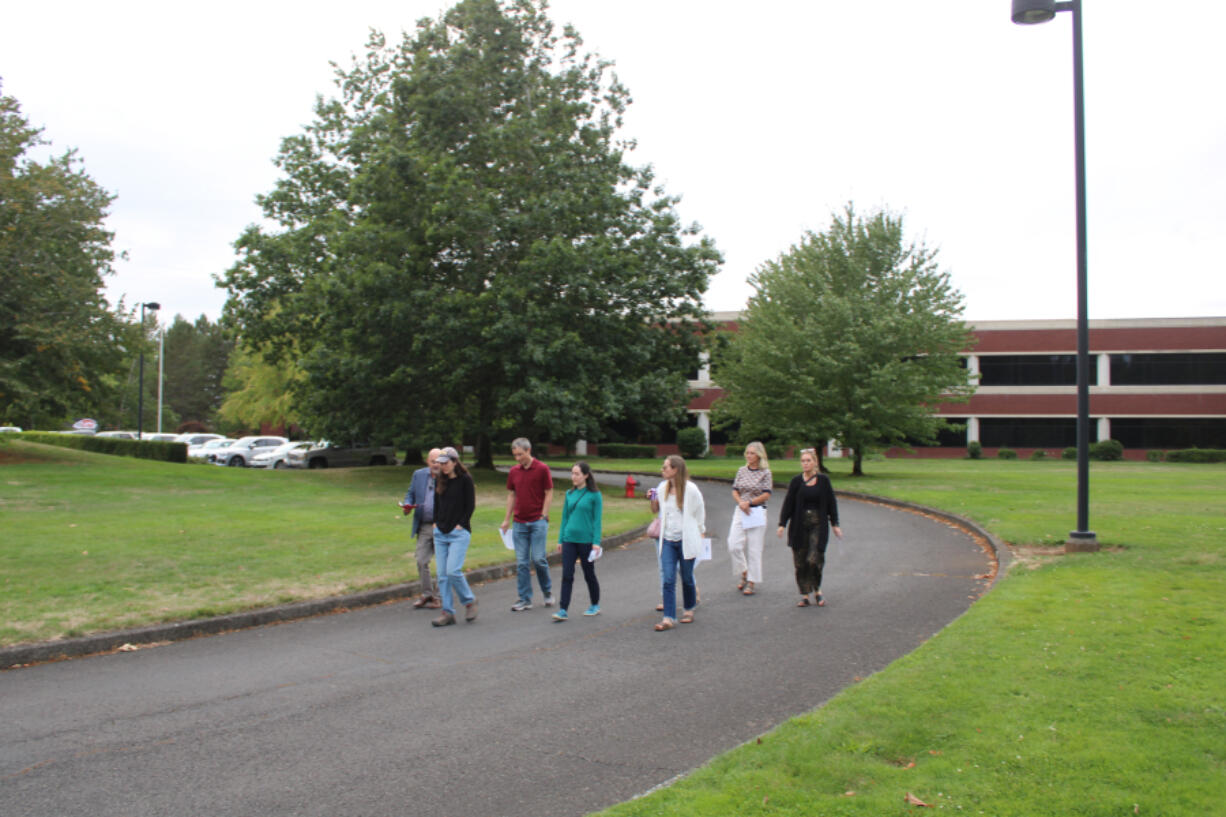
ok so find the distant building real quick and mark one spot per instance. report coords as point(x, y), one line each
point(1155, 383)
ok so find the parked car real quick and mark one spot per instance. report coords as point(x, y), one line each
point(205, 451)
point(276, 458)
point(13, 429)
point(122, 435)
point(192, 438)
point(161, 438)
point(240, 452)
point(326, 455)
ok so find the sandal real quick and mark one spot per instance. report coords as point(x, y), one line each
point(660, 607)
point(821, 602)
point(687, 617)
point(666, 624)
point(748, 591)
point(741, 584)
point(804, 602)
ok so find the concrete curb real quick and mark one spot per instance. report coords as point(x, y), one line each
point(25, 654)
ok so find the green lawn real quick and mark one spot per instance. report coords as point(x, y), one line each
point(92, 542)
point(1091, 684)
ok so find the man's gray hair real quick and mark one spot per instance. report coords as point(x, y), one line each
point(522, 443)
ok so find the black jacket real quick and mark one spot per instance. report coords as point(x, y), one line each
point(792, 514)
point(455, 506)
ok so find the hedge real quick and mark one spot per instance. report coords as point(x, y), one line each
point(627, 451)
point(692, 442)
point(1197, 455)
point(144, 449)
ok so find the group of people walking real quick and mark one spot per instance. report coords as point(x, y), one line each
point(442, 498)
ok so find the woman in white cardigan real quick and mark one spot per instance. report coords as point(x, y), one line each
point(683, 521)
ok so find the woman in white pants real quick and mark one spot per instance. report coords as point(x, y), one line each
point(750, 490)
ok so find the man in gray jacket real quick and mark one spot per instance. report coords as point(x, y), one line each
point(420, 500)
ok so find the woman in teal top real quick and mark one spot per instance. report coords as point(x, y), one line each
point(579, 537)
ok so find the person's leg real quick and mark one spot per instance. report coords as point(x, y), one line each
point(736, 547)
point(540, 557)
point(569, 554)
point(460, 539)
point(689, 594)
point(670, 554)
point(584, 553)
point(755, 539)
point(423, 554)
point(442, 551)
point(800, 562)
point(818, 569)
point(521, 536)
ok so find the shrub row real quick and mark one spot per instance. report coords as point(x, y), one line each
point(627, 451)
point(144, 449)
point(1197, 455)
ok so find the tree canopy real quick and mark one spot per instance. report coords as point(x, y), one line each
point(62, 347)
point(462, 250)
point(196, 358)
point(853, 334)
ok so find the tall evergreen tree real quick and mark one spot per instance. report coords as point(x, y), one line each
point(852, 334)
point(196, 359)
point(463, 249)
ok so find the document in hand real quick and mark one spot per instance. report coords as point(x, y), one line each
point(704, 551)
point(756, 518)
point(507, 541)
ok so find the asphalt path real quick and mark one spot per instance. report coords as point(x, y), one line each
point(375, 712)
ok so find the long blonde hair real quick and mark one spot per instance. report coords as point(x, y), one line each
point(677, 481)
point(760, 450)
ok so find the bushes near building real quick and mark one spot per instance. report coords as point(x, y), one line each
point(627, 451)
point(144, 449)
point(1006, 454)
point(1197, 455)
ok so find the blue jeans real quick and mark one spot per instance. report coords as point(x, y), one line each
point(449, 552)
point(670, 559)
point(529, 539)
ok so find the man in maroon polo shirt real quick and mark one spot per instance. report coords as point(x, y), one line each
point(530, 492)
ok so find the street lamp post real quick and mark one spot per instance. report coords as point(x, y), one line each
point(140, 394)
point(1028, 12)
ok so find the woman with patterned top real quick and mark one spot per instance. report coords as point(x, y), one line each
point(750, 491)
point(809, 513)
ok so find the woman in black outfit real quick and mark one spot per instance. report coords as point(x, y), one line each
point(811, 512)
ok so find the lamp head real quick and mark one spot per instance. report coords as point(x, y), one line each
point(1029, 12)
point(152, 305)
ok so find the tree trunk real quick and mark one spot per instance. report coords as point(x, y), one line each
point(856, 470)
point(821, 460)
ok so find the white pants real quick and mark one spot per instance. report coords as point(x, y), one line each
point(745, 548)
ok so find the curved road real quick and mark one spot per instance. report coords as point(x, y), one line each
point(375, 712)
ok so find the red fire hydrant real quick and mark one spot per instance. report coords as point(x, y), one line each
point(630, 483)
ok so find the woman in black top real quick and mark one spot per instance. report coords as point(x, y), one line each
point(811, 512)
point(454, 500)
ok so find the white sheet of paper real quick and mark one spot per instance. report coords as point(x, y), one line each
point(596, 553)
point(507, 541)
point(756, 518)
point(704, 551)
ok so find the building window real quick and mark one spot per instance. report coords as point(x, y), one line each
point(1169, 369)
point(1169, 432)
point(946, 437)
point(1028, 432)
point(1031, 370)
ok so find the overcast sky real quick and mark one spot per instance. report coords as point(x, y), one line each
point(764, 117)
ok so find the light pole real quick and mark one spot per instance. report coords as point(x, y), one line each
point(1027, 12)
point(140, 394)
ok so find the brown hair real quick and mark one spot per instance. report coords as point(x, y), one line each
point(677, 481)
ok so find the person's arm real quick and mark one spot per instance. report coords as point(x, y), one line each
point(789, 502)
point(655, 503)
point(565, 516)
point(833, 512)
point(597, 518)
point(410, 496)
point(548, 499)
point(700, 508)
point(506, 520)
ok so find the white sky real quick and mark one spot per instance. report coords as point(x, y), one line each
point(765, 117)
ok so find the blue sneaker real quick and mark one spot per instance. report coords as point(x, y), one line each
point(594, 610)
point(560, 615)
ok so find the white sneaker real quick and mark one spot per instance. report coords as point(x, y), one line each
point(520, 606)
point(549, 600)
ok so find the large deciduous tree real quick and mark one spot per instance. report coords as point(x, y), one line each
point(463, 249)
point(62, 348)
point(196, 357)
point(852, 334)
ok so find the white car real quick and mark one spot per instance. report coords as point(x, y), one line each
point(160, 438)
point(13, 429)
point(276, 458)
point(193, 439)
point(240, 453)
point(205, 451)
point(121, 435)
